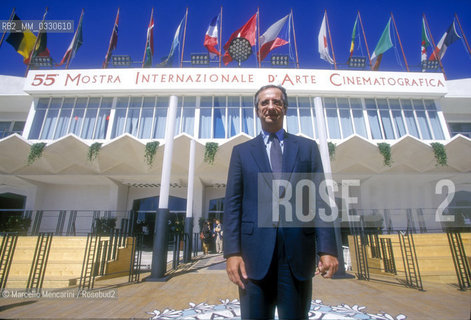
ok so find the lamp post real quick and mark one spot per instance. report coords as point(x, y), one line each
point(430, 65)
point(199, 59)
point(357, 62)
point(279, 60)
point(240, 49)
point(121, 61)
point(41, 62)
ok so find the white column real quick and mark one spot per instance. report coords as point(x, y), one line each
point(168, 153)
point(29, 119)
point(322, 131)
point(324, 150)
point(191, 180)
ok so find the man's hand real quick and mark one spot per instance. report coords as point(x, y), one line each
point(235, 268)
point(327, 266)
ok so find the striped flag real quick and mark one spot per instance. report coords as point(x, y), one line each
point(113, 41)
point(424, 43)
point(383, 45)
point(23, 42)
point(211, 37)
point(354, 35)
point(277, 35)
point(149, 51)
point(447, 39)
point(74, 45)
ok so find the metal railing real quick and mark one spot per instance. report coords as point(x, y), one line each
point(39, 263)
point(388, 256)
point(409, 257)
point(460, 260)
point(7, 250)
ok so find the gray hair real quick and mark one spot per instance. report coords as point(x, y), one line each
point(283, 94)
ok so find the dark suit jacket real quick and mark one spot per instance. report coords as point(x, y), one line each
point(242, 233)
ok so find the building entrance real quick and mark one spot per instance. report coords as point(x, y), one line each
point(11, 212)
point(143, 218)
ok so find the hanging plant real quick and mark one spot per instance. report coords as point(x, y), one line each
point(385, 150)
point(440, 153)
point(93, 151)
point(331, 150)
point(210, 152)
point(151, 150)
point(35, 152)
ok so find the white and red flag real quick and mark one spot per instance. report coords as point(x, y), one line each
point(323, 45)
point(212, 36)
point(277, 35)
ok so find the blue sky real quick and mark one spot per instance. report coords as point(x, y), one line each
point(134, 18)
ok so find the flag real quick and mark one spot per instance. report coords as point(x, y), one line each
point(175, 43)
point(41, 49)
point(425, 42)
point(149, 51)
point(74, 45)
point(383, 45)
point(211, 37)
point(277, 35)
point(322, 42)
point(447, 39)
point(113, 41)
point(247, 31)
point(354, 35)
point(23, 42)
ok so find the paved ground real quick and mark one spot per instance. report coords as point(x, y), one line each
point(205, 281)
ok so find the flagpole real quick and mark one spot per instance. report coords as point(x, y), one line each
point(147, 38)
point(364, 38)
point(462, 32)
point(184, 35)
point(400, 43)
point(35, 44)
point(9, 20)
point(105, 63)
point(330, 38)
point(70, 55)
point(257, 55)
point(294, 36)
point(433, 43)
point(220, 39)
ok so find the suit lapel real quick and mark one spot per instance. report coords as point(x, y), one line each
point(290, 153)
point(259, 153)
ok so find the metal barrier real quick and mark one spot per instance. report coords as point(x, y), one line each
point(7, 250)
point(374, 245)
point(361, 258)
point(459, 259)
point(87, 277)
point(39, 263)
point(196, 241)
point(388, 256)
point(409, 257)
point(136, 258)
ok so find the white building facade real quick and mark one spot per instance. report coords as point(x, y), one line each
point(125, 109)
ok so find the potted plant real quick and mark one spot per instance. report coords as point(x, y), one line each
point(16, 223)
point(104, 226)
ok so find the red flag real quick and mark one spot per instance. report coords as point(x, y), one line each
point(113, 41)
point(247, 31)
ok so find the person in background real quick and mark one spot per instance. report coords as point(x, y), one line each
point(207, 236)
point(218, 235)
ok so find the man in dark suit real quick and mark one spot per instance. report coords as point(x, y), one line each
point(273, 266)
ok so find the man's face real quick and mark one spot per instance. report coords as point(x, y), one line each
point(271, 110)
